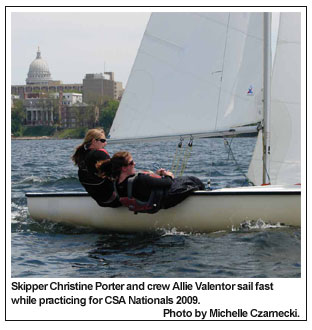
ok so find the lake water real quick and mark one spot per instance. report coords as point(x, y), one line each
point(47, 249)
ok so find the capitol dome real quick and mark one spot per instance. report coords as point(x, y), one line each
point(39, 72)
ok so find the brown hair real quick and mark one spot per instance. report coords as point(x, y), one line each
point(79, 154)
point(118, 161)
point(104, 168)
point(111, 168)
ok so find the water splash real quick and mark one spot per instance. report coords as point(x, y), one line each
point(258, 224)
point(18, 212)
point(174, 232)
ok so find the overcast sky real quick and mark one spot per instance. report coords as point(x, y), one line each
point(74, 44)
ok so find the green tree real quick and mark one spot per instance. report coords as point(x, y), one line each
point(17, 118)
point(84, 115)
point(78, 114)
point(107, 114)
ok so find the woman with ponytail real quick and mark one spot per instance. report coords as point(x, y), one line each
point(87, 154)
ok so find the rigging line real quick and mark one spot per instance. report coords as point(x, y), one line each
point(230, 152)
point(178, 162)
point(174, 159)
point(226, 41)
point(184, 161)
point(187, 154)
point(177, 157)
point(177, 165)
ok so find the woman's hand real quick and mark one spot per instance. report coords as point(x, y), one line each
point(168, 173)
point(160, 171)
point(164, 172)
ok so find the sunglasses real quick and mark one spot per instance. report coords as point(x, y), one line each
point(102, 140)
point(130, 163)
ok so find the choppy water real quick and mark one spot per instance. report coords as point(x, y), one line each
point(46, 249)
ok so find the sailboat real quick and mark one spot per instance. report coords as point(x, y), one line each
point(198, 75)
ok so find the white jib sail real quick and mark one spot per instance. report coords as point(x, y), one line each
point(285, 109)
point(194, 73)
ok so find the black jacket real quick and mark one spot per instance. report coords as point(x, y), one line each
point(101, 190)
point(176, 190)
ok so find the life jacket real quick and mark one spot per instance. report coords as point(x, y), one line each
point(151, 206)
point(104, 151)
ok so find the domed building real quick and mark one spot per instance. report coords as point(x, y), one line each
point(39, 73)
point(39, 79)
point(47, 101)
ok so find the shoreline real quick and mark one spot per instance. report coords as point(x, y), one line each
point(34, 138)
point(56, 138)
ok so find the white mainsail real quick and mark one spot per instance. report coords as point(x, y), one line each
point(194, 73)
point(285, 109)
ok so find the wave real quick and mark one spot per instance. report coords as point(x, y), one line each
point(25, 224)
point(58, 182)
point(31, 179)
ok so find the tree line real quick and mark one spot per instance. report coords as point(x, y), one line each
point(107, 112)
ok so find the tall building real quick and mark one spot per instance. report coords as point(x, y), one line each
point(98, 89)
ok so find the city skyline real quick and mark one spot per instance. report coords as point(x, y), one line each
point(74, 44)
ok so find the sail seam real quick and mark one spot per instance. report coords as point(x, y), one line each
point(164, 41)
point(230, 27)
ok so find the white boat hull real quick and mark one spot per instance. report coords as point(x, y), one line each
point(204, 211)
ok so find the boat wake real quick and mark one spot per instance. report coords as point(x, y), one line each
point(21, 222)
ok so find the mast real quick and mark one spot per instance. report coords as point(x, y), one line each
point(267, 97)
